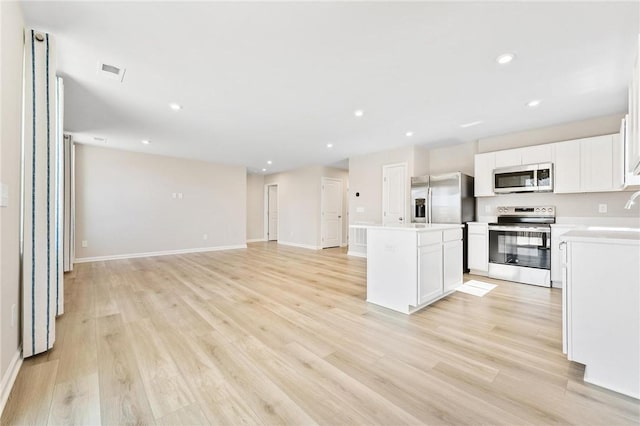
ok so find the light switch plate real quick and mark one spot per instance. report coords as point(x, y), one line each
point(85, 243)
point(602, 208)
point(359, 209)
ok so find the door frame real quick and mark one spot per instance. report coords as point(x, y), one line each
point(407, 190)
point(322, 180)
point(266, 210)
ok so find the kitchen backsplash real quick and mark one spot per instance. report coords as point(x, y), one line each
point(585, 205)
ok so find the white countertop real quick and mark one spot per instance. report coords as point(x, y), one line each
point(415, 227)
point(603, 234)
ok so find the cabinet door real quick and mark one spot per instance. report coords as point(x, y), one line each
point(566, 159)
point(478, 255)
point(596, 165)
point(430, 272)
point(509, 158)
point(483, 179)
point(452, 269)
point(537, 154)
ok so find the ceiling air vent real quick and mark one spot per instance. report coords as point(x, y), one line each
point(111, 72)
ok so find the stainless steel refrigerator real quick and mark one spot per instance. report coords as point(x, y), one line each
point(445, 198)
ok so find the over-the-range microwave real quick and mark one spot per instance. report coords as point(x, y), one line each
point(525, 178)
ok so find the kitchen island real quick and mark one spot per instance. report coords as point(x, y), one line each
point(410, 266)
point(600, 305)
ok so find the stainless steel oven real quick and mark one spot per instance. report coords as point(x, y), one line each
point(520, 245)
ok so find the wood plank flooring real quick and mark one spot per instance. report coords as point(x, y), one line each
point(279, 335)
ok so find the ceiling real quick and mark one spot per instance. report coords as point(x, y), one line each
point(279, 81)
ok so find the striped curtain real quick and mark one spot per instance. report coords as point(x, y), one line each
point(39, 225)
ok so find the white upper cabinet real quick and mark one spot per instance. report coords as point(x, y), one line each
point(508, 158)
point(483, 179)
point(528, 155)
point(632, 142)
point(537, 154)
point(593, 164)
point(588, 165)
point(566, 167)
point(598, 156)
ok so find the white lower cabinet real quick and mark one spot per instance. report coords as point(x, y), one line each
point(409, 267)
point(478, 248)
point(429, 272)
point(600, 308)
point(452, 265)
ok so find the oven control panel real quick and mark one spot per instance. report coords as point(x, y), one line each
point(526, 211)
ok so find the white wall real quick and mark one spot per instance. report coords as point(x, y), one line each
point(299, 193)
point(456, 158)
point(561, 132)
point(255, 207)
point(365, 178)
point(124, 203)
point(11, 51)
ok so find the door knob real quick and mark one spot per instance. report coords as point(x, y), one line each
point(399, 218)
point(339, 217)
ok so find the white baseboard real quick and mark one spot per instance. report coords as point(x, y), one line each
point(305, 246)
point(357, 254)
point(256, 240)
point(480, 273)
point(9, 378)
point(157, 253)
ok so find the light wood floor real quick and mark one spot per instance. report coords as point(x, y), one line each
point(275, 335)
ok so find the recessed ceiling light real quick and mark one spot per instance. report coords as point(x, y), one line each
point(175, 107)
point(473, 123)
point(505, 58)
point(358, 113)
point(534, 103)
point(409, 134)
point(269, 162)
point(329, 145)
point(264, 170)
point(146, 141)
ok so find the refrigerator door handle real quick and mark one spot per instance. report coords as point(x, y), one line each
point(429, 206)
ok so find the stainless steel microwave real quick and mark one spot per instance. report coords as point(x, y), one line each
point(525, 178)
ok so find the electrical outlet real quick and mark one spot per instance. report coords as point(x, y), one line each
point(359, 209)
point(174, 195)
point(487, 209)
point(14, 315)
point(85, 243)
point(205, 237)
point(602, 208)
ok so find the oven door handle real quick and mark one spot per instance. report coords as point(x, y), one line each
point(545, 230)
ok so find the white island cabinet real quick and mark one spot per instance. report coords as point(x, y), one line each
point(410, 266)
point(601, 306)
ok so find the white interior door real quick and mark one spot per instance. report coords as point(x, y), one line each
point(273, 213)
point(331, 205)
point(394, 193)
